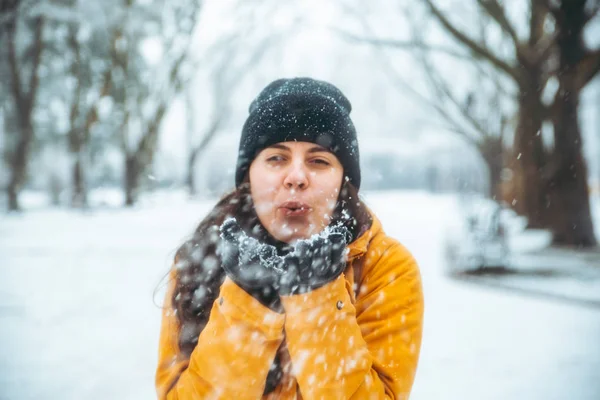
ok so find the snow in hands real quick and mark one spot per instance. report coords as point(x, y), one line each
point(249, 248)
point(309, 264)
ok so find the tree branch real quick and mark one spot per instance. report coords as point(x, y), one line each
point(545, 4)
point(477, 49)
point(403, 45)
point(496, 11)
point(225, 78)
point(209, 134)
point(92, 114)
point(544, 47)
point(588, 68)
point(501, 89)
point(478, 132)
point(144, 153)
point(442, 88)
point(591, 14)
point(438, 108)
point(8, 14)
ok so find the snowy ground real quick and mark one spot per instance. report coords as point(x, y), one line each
point(78, 318)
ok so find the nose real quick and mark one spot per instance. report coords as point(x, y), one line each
point(296, 178)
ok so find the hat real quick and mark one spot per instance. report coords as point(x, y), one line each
point(304, 110)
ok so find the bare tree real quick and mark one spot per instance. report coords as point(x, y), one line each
point(566, 172)
point(224, 76)
point(532, 64)
point(77, 138)
point(23, 81)
point(231, 64)
point(228, 62)
point(558, 197)
point(480, 117)
point(88, 83)
point(77, 77)
point(145, 96)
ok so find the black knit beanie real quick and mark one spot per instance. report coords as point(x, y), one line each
point(304, 110)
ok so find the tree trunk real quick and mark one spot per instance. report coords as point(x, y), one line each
point(529, 153)
point(569, 207)
point(191, 173)
point(495, 176)
point(492, 152)
point(24, 102)
point(18, 163)
point(54, 189)
point(131, 180)
point(77, 137)
point(140, 160)
point(14, 187)
point(13, 198)
point(79, 195)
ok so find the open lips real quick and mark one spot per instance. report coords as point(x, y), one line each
point(295, 208)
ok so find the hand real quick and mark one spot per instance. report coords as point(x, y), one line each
point(252, 265)
point(314, 262)
point(257, 268)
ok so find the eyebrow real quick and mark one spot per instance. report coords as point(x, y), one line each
point(315, 149)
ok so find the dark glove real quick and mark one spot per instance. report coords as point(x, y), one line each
point(250, 264)
point(314, 262)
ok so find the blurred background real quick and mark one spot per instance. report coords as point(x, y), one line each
point(479, 130)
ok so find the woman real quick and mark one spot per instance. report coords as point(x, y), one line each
point(290, 288)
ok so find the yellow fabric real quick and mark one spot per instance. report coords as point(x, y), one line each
point(337, 346)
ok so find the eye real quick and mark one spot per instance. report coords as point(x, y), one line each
point(275, 159)
point(320, 161)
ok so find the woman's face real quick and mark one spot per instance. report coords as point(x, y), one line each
point(295, 187)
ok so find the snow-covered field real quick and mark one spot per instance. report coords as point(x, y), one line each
point(79, 318)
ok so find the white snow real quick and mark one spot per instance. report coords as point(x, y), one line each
point(78, 318)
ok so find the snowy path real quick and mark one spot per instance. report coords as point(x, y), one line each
point(77, 319)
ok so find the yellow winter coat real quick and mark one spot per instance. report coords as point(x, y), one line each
point(339, 346)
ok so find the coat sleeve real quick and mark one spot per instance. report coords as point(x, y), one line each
point(365, 351)
point(233, 355)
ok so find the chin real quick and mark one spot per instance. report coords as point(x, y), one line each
point(290, 237)
point(290, 232)
point(295, 232)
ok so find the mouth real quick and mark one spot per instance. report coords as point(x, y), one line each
point(295, 209)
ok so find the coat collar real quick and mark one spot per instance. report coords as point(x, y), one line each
point(359, 247)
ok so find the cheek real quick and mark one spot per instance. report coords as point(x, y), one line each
point(332, 200)
point(328, 196)
point(263, 196)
